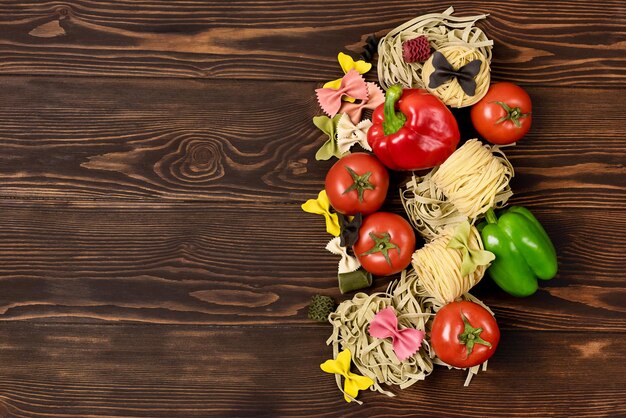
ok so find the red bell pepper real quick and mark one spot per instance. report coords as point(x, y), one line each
point(421, 135)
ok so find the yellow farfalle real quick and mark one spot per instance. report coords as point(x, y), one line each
point(347, 63)
point(321, 206)
point(353, 382)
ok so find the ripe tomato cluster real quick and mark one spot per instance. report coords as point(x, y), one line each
point(463, 334)
point(358, 183)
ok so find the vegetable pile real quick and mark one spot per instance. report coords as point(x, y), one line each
point(427, 316)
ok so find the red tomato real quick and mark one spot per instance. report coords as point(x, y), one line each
point(503, 116)
point(386, 243)
point(357, 183)
point(464, 334)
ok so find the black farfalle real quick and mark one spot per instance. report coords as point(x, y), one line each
point(370, 49)
point(444, 71)
point(350, 229)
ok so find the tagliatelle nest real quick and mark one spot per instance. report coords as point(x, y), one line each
point(439, 267)
point(442, 30)
point(473, 179)
point(374, 357)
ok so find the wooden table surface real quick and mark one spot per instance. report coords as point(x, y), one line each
point(154, 260)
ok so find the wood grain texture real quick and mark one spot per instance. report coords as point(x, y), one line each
point(154, 260)
point(161, 371)
point(253, 264)
point(557, 43)
point(81, 138)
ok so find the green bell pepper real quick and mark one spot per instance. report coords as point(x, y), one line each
point(522, 248)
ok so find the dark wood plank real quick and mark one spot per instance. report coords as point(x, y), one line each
point(154, 261)
point(557, 43)
point(160, 371)
point(224, 141)
point(253, 264)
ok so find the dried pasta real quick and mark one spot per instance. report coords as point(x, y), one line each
point(442, 30)
point(439, 267)
point(409, 289)
point(473, 179)
point(374, 357)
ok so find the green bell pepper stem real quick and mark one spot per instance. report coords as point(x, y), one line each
point(491, 217)
point(393, 120)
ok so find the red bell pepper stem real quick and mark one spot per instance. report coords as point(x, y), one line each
point(393, 120)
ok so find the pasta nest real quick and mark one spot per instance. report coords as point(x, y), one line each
point(442, 30)
point(439, 267)
point(473, 179)
point(374, 357)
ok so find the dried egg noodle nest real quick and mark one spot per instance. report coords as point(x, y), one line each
point(451, 92)
point(439, 267)
point(473, 179)
point(442, 30)
point(374, 357)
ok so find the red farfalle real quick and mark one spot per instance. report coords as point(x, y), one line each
point(416, 49)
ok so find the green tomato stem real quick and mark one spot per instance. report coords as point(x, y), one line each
point(359, 183)
point(471, 336)
point(514, 114)
point(382, 245)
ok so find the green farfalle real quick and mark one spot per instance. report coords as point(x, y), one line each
point(471, 257)
point(329, 127)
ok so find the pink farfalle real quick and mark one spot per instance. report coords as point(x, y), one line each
point(405, 342)
point(352, 85)
point(376, 97)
